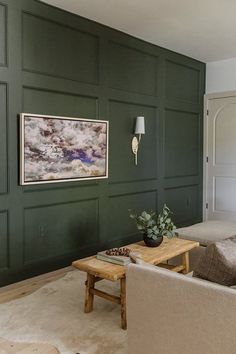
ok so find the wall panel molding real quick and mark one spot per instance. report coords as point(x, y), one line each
point(54, 49)
point(57, 63)
point(4, 241)
point(119, 204)
point(59, 229)
point(176, 72)
point(60, 187)
point(182, 131)
point(4, 137)
point(50, 83)
point(145, 180)
point(3, 35)
point(187, 197)
point(56, 103)
point(133, 70)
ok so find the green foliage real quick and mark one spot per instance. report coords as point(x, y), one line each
point(155, 225)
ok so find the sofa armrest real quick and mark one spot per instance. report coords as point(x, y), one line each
point(169, 313)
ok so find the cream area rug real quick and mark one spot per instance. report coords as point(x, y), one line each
point(54, 314)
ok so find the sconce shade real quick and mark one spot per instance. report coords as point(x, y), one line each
point(140, 126)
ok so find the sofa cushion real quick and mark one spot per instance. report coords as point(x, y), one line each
point(208, 231)
point(218, 263)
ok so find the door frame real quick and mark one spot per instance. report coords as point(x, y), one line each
point(207, 98)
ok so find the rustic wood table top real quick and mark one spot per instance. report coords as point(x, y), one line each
point(152, 255)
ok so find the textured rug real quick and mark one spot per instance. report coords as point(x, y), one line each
point(10, 347)
point(54, 315)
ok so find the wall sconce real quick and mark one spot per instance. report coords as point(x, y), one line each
point(139, 130)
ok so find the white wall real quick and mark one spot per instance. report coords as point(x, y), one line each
point(221, 76)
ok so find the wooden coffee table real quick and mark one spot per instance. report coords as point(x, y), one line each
point(98, 270)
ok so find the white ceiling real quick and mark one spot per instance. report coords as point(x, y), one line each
point(202, 29)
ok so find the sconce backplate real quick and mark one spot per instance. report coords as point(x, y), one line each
point(135, 145)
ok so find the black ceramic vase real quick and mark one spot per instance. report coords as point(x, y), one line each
point(152, 243)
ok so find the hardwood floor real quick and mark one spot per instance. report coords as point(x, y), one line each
point(26, 287)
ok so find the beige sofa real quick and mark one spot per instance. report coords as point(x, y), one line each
point(170, 313)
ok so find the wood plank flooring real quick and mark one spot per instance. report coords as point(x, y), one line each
point(26, 287)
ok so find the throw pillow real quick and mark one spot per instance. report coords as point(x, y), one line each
point(218, 263)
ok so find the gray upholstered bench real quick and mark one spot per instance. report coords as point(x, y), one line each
point(205, 233)
point(208, 231)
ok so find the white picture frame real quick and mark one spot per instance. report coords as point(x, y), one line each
point(57, 149)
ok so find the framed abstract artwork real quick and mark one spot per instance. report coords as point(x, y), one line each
point(62, 149)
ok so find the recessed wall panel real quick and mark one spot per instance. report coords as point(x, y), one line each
point(181, 143)
point(3, 36)
point(121, 225)
point(4, 242)
point(122, 166)
point(3, 138)
point(55, 49)
point(224, 133)
point(182, 82)
point(61, 104)
point(184, 202)
point(224, 194)
point(57, 230)
point(132, 70)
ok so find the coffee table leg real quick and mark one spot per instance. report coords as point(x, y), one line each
point(88, 306)
point(123, 303)
point(185, 262)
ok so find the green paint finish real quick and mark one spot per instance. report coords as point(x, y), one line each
point(61, 64)
point(56, 230)
point(184, 201)
point(54, 49)
point(3, 138)
point(3, 39)
point(181, 144)
point(182, 82)
point(4, 259)
point(122, 119)
point(61, 104)
point(128, 70)
point(120, 204)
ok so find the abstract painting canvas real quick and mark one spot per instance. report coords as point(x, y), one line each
point(60, 149)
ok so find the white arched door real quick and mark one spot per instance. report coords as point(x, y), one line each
point(220, 157)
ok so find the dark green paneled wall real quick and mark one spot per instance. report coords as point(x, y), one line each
point(52, 62)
